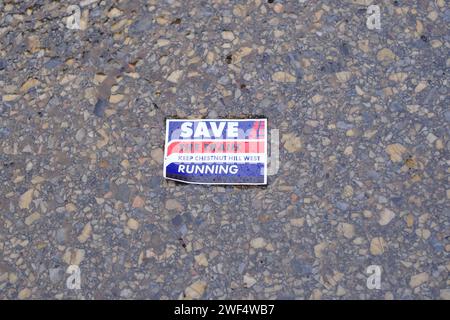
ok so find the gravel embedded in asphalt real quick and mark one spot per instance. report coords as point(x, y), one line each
point(364, 149)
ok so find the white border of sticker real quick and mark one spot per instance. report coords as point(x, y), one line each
point(216, 183)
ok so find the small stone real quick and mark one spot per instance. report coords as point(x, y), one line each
point(81, 133)
point(343, 76)
point(12, 277)
point(241, 53)
point(377, 246)
point(240, 10)
point(175, 76)
point(228, 35)
point(85, 233)
point(99, 78)
point(24, 294)
point(62, 235)
point(25, 199)
point(278, 8)
point(386, 55)
point(73, 256)
point(395, 152)
point(347, 229)
point(431, 138)
point(388, 296)
point(423, 233)
point(30, 83)
point(32, 218)
point(10, 97)
point(133, 224)
point(249, 281)
point(348, 191)
point(157, 155)
point(126, 293)
point(398, 76)
point(55, 275)
point(348, 151)
point(283, 77)
point(409, 220)
point(319, 248)
point(195, 290)
point(420, 86)
point(114, 13)
point(125, 163)
point(258, 243)
point(445, 294)
point(70, 207)
point(100, 107)
point(418, 279)
point(297, 222)
point(173, 204)
point(201, 260)
point(138, 202)
point(33, 43)
point(292, 143)
point(116, 98)
point(386, 216)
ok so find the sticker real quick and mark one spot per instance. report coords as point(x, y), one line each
point(216, 151)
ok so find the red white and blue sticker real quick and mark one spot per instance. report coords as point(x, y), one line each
point(216, 151)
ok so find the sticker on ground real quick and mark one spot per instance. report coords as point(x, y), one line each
point(216, 151)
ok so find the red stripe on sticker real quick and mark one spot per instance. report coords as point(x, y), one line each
point(216, 147)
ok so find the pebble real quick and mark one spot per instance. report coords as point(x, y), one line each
point(81, 133)
point(133, 224)
point(100, 107)
point(418, 279)
point(195, 290)
point(283, 77)
point(85, 233)
point(201, 260)
point(319, 249)
point(30, 83)
point(386, 54)
point(228, 35)
point(445, 294)
point(249, 281)
point(278, 8)
point(258, 243)
point(343, 76)
point(25, 199)
point(395, 152)
point(32, 218)
point(116, 98)
point(157, 155)
point(138, 202)
point(347, 229)
point(73, 256)
point(386, 216)
point(292, 143)
point(175, 76)
point(173, 204)
point(55, 274)
point(24, 294)
point(377, 246)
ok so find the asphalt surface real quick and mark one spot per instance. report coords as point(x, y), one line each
point(363, 117)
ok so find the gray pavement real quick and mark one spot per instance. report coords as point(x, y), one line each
point(363, 117)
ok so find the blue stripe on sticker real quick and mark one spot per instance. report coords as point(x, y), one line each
point(217, 173)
